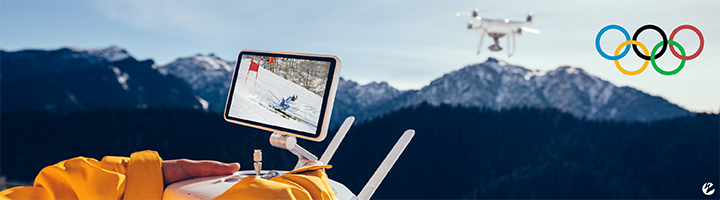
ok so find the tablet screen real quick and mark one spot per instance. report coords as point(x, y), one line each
point(284, 92)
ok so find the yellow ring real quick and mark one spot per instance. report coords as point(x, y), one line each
point(617, 62)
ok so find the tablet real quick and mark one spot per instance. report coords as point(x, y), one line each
point(283, 92)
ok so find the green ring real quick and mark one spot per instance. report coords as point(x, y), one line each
point(663, 72)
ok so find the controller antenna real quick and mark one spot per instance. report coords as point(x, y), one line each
point(257, 157)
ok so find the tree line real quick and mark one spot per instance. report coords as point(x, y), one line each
point(309, 74)
point(457, 152)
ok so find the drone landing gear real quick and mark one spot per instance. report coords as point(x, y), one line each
point(511, 51)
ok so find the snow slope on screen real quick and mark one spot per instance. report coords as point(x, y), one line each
point(249, 100)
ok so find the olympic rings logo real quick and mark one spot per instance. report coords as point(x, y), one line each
point(647, 57)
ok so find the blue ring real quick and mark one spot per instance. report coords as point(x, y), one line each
point(606, 28)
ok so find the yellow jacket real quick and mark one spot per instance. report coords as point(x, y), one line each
point(137, 177)
point(305, 183)
point(140, 177)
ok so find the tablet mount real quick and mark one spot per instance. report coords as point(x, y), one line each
point(290, 143)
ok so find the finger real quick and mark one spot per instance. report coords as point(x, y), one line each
point(230, 168)
point(173, 171)
point(210, 168)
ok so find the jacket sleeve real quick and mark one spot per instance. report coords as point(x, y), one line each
point(309, 182)
point(137, 177)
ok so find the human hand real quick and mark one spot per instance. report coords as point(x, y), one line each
point(181, 169)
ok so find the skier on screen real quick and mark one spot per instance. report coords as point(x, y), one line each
point(285, 101)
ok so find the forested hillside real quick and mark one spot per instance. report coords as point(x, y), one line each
point(457, 152)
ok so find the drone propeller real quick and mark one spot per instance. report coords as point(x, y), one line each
point(529, 17)
point(463, 13)
point(473, 13)
point(530, 30)
point(540, 15)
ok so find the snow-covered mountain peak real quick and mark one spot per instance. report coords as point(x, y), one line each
point(576, 76)
point(499, 85)
point(374, 92)
point(567, 70)
point(201, 62)
point(111, 54)
point(366, 94)
point(485, 75)
point(494, 66)
point(499, 67)
point(208, 75)
point(79, 78)
point(212, 62)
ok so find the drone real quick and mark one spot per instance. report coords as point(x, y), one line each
point(497, 28)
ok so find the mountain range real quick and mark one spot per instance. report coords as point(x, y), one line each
point(73, 78)
point(209, 76)
point(498, 85)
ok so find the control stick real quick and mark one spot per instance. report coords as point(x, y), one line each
point(257, 157)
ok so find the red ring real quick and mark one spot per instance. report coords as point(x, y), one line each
point(697, 31)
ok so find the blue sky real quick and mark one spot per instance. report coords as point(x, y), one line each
point(405, 43)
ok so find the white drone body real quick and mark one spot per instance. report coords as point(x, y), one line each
point(497, 28)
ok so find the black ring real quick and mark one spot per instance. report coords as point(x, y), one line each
point(656, 28)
